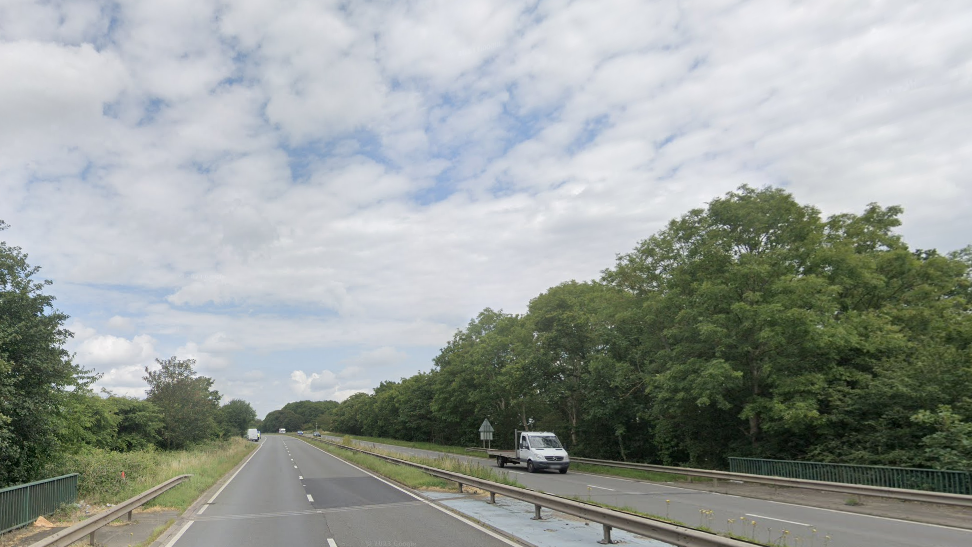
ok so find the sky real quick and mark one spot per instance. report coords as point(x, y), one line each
point(310, 197)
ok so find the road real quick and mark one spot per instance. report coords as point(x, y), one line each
point(694, 507)
point(291, 493)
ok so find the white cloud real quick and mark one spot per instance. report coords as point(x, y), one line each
point(325, 385)
point(108, 351)
point(126, 381)
point(121, 323)
point(380, 357)
point(258, 178)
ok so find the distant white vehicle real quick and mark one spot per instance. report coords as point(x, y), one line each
point(252, 435)
point(537, 449)
point(282, 430)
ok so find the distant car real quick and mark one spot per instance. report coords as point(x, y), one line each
point(300, 433)
point(317, 433)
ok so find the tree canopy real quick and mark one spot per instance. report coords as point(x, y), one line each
point(750, 327)
point(36, 372)
point(189, 406)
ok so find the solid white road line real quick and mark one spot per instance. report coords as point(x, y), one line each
point(176, 537)
point(601, 487)
point(423, 500)
point(330, 543)
point(310, 498)
point(300, 477)
point(777, 520)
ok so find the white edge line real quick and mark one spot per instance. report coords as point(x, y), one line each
point(310, 498)
point(176, 537)
point(838, 511)
point(220, 491)
point(423, 500)
point(330, 543)
point(779, 520)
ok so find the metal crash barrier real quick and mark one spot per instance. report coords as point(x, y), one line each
point(91, 525)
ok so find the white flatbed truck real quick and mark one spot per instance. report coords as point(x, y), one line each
point(535, 449)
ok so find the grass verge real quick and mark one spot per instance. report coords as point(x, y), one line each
point(446, 464)
point(637, 474)
point(101, 482)
point(448, 449)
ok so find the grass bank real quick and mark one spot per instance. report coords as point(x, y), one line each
point(650, 476)
point(410, 476)
point(415, 444)
point(101, 482)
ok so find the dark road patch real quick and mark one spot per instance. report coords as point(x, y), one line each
point(352, 492)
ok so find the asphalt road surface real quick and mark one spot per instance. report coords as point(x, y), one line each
point(695, 507)
point(291, 493)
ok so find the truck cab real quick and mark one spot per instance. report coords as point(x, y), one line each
point(536, 449)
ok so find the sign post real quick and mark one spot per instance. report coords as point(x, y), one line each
point(486, 433)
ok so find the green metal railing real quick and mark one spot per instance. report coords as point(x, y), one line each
point(934, 480)
point(20, 505)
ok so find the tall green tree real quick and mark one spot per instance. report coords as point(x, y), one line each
point(36, 373)
point(189, 406)
point(235, 417)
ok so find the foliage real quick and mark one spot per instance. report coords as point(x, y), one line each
point(36, 373)
point(189, 407)
point(235, 417)
point(100, 471)
point(750, 327)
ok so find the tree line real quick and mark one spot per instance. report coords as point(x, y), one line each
point(751, 327)
point(48, 407)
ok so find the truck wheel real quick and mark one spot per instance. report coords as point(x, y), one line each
point(563, 471)
point(530, 468)
point(500, 462)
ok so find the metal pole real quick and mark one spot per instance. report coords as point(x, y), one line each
point(607, 535)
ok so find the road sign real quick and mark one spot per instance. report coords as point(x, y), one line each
point(486, 431)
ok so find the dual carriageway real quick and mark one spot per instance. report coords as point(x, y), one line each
point(290, 492)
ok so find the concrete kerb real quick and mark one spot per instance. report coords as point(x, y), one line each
point(201, 501)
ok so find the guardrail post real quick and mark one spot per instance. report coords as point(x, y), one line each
point(536, 512)
point(460, 487)
point(129, 516)
point(91, 539)
point(607, 535)
point(492, 497)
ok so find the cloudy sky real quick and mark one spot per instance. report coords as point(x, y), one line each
point(309, 197)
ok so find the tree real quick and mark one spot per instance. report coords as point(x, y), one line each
point(235, 417)
point(139, 423)
point(189, 407)
point(36, 372)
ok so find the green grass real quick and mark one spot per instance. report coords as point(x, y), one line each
point(446, 464)
point(409, 476)
point(636, 474)
point(414, 444)
point(100, 481)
